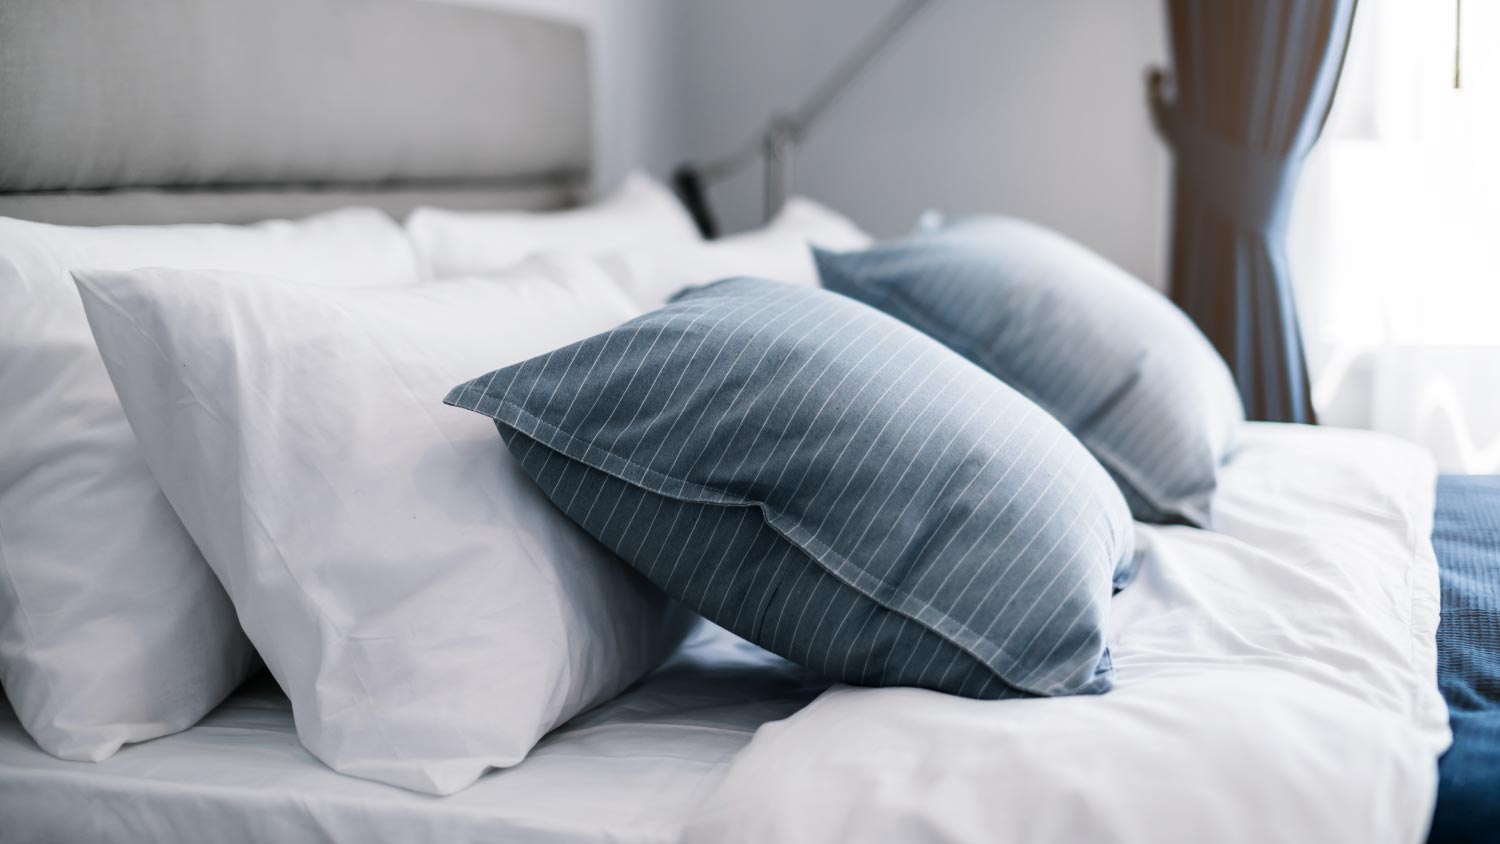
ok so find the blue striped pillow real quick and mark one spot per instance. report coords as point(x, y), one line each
point(831, 484)
point(1119, 365)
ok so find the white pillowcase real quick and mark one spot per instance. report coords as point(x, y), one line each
point(651, 275)
point(112, 628)
point(426, 609)
point(818, 224)
point(640, 211)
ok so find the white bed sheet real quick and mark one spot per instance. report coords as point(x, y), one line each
point(1276, 682)
point(629, 771)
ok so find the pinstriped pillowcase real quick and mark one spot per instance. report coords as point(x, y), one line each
point(1119, 365)
point(831, 484)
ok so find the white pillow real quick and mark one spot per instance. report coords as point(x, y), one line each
point(650, 275)
point(639, 211)
point(426, 609)
point(112, 629)
point(819, 225)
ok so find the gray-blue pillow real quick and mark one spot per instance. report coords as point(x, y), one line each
point(1117, 363)
point(832, 485)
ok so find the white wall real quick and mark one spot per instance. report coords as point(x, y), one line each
point(1029, 107)
point(637, 121)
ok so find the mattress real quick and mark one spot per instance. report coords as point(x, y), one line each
point(629, 771)
point(1466, 536)
point(1277, 681)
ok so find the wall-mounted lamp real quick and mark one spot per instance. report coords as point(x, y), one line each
point(777, 144)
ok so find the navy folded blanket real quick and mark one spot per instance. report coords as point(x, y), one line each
point(1466, 536)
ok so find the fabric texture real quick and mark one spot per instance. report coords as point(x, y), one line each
point(1253, 84)
point(1466, 535)
point(1101, 351)
point(112, 628)
point(429, 613)
point(630, 771)
point(178, 93)
point(832, 485)
point(651, 275)
point(1275, 682)
point(641, 211)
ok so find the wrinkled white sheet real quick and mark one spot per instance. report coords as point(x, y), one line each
point(629, 771)
point(1276, 682)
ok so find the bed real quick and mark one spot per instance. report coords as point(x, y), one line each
point(1284, 678)
point(726, 742)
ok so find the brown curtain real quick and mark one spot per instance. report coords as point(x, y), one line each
point(1251, 86)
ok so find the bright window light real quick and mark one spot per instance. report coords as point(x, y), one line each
point(1395, 242)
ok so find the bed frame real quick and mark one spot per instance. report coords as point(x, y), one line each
point(162, 111)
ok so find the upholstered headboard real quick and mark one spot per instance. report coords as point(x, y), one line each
point(153, 111)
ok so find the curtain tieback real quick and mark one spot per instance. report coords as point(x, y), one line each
point(1253, 189)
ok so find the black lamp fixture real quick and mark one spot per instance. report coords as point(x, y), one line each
point(777, 143)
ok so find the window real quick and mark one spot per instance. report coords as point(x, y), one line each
point(1395, 241)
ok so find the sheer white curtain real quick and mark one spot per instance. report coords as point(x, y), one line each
point(1395, 240)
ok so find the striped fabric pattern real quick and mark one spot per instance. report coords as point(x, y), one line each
point(1119, 365)
point(832, 485)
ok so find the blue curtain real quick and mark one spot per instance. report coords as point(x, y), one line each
point(1251, 86)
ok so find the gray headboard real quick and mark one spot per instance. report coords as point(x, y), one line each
point(152, 111)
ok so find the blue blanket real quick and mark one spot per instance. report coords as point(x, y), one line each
point(1466, 535)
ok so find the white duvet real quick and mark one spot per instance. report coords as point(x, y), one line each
point(1276, 682)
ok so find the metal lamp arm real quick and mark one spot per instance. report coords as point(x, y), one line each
point(778, 142)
